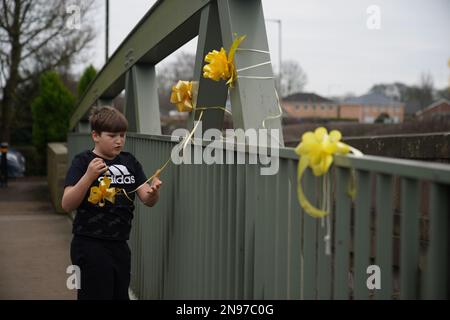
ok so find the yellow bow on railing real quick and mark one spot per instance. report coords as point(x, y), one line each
point(103, 192)
point(182, 96)
point(316, 151)
point(220, 66)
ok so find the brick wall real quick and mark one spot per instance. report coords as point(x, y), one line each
point(56, 171)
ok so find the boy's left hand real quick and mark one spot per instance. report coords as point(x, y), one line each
point(154, 187)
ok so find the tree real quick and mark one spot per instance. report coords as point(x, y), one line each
point(181, 69)
point(36, 36)
point(397, 91)
point(293, 78)
point(415, 97)
point(51, 111)
point(86, 78)
point(383, 118)
point(444, 93)
point(426, 88)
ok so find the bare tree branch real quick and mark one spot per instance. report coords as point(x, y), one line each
point(27, 7)
point(293, 78)
point(4, 23)
point(34, 39)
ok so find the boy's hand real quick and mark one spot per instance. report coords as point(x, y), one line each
point(154, 187)
point(96, 167)
point(149, 194)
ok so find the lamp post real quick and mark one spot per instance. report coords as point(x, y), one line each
point(278, 21)
point(4, 164)
point(107, 32)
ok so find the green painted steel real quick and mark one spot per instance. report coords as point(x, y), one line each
point(141, 100)
point(362, 234)
point(281, 208)
point(409, 262)
point(437, 268)
point(166, 27)
point(384, 234)
point(210, 93)
point(342, 235)
point(252, 100)
point(295, 231)
point(324, 272)
point(228, 232)
point(309, 249)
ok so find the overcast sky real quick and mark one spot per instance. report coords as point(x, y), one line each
point(331, 40)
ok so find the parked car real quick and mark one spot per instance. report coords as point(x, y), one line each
point(16, 163)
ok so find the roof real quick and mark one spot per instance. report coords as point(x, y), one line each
point(372, 99)
point(306, 97)
point(433, 105)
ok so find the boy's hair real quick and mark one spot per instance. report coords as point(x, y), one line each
point(109, 119)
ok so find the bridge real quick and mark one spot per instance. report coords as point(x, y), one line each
point(229, 232)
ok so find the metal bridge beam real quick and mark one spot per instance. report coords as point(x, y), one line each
point(252, 100)
point(141, 100)
point(167, 26)
point(210, 93)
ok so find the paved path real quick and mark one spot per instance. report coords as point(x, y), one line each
point(34, 243)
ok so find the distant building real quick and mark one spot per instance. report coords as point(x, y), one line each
point(367, 108)
point(436, 109)
point(309, 105)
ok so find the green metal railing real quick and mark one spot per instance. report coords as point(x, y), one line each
point(227, 232)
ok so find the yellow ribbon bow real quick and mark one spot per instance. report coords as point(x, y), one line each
point(220, 66)
point(182, 96)
point(316, 151)
point(102, 192)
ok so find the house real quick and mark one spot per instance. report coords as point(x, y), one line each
point(367, 108)
point(309, 105)
point(437, 109)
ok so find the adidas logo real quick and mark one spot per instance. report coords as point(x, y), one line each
point(119, 174)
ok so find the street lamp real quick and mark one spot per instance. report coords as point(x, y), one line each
point(107, 32)
point(278, 21)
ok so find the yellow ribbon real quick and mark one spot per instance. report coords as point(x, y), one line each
point(316, 151)
point(220, 65)
point(182, 96)
point(103, 192)
point(98, 194)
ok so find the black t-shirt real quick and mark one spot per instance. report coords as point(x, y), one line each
point(112, 221)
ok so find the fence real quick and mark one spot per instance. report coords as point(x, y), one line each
point(227, 232)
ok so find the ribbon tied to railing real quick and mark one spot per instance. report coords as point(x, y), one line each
point(220, 66)
point(316, 151)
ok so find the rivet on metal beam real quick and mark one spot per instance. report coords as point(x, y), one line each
point(129, 58)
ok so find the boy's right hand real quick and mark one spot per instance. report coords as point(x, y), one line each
point(96, 167)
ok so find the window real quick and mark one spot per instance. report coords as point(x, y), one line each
point(368, 119)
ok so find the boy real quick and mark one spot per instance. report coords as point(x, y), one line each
point(100, 231)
